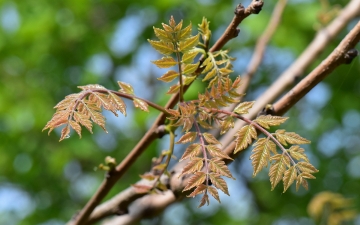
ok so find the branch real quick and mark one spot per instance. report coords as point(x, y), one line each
point(309, 55)
point(155, 131)
point(145, 206)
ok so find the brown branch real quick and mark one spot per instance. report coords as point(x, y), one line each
point(339, 56)
point(297, 69)
point(261, 46)
point(154, 132)
point(145, 206)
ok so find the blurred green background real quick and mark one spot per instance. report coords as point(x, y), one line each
point(48, 48)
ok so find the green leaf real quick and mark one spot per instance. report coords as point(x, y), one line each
point(184, 33)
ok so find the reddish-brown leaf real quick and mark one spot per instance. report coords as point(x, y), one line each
point(214, 193)
point(218, 166)
point(76, 127)
point(244, 137)
point(65, 132)
point(204, 200)
point(191, 151)
point(219, 182)
point(188, 137)
point(194, 165)
point(199, 190)
point(141, 189)
point(216, 152)
point(210, 139)
point(195, 180)
point(141, 104)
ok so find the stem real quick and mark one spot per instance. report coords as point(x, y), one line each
point(181, 91)
point(203, 151)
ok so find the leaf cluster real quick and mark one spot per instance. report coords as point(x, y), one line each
point(84, 108)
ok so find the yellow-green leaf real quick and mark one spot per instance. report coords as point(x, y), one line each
point(162, 47)
point(210, 75)
point(210, 139)
point(173, 89)
point(243, 107)
point(163, 35)
point(244, 137)
point(290, 137)
point(188, 57)
point(189, 43)
point(126, 88)
point(289, 177)
point(165, 62)
point(277, 170)
point(261, 154)
point(269, 120)
point(169, 76)
point(298, 153)
point(190, 68)
point(184, 33)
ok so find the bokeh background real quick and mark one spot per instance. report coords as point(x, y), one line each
point(48, 48)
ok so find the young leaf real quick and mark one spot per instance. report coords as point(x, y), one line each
point(214, 193)
point(126, 88)
point(289, 177)
point(226, 124)
point(163, 35)
point(194, 165)
point(141, 189)
point(141, 104)
point(189, 43)
point(165, 62)
point(261, 154)
point(216, 152)
point(148, 176)
point(165, 48)
point(118, 103)
point(75, 126)
point(184, 33)
point(218, 166)
point(190, 68)
point(188, 137)
point(191, 151)
point(188, 57)
point(301, 181)
point(244, 137)
point(83, 120)
point(210, 75)
point(204, 199)
point(199, 190)
point(290, 137)
point(65, 133)
point(219, 182)
point(269, 120)
point(298, 153)
point(243, 107)
point(195, 180)
point(174, 89)
point(210, 139)
point(277, 169)
point(306, 167)
point(169, 76)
